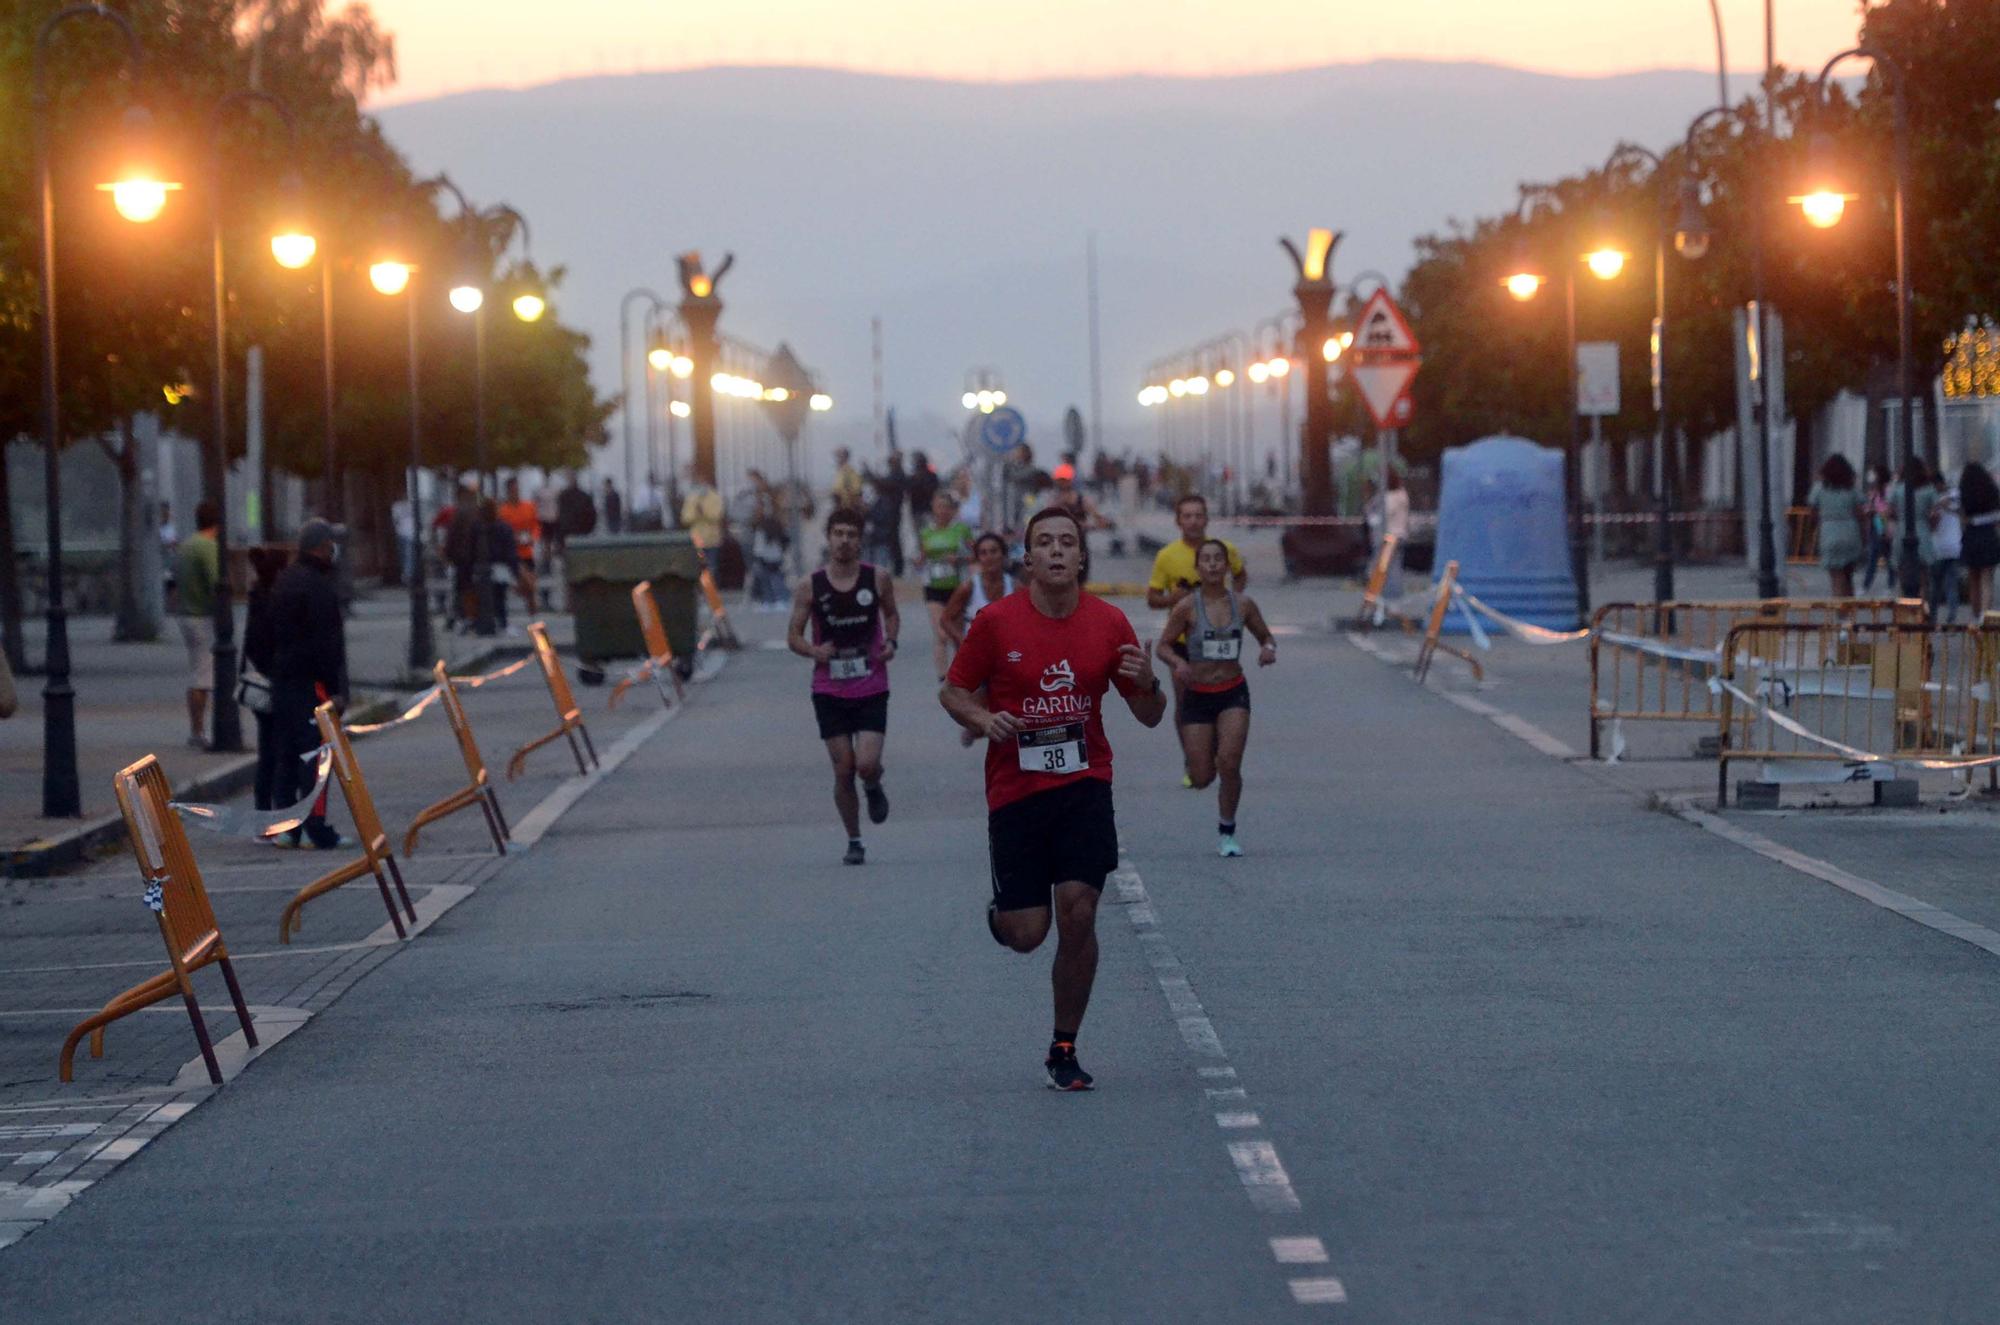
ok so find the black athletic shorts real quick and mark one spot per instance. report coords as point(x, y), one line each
point(1205, 706)
point(1063, 835)
point(844, 717)
point(934, 594)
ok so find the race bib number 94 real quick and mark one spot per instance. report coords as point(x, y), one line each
point(843, 667)
point(1058, 750)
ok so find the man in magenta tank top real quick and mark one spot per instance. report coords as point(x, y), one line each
point(851, 612)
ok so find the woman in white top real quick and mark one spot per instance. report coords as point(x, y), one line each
point(988, 583)
point(1396, 525)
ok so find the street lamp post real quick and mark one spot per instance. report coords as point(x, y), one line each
point(1824, 208)
point(1663, 546)
point(1314, 291)
point(625, 387)
point(391, 277)
point(62, 796)
point(700, 309)
point(226, 729)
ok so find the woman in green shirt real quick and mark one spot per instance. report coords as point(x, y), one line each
point(943, 548)
point(1839, 508)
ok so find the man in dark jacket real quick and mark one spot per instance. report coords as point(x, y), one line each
point(309, 667)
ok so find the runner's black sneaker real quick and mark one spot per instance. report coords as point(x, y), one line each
point(993, 923)
point(856, 854)
point(1065, 1073)
point(878, 801)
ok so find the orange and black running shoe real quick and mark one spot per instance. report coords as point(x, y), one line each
point(1065, 1073)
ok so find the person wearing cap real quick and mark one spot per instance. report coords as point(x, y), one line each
point(308, 667)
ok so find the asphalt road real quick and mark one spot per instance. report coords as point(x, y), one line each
point(1508, 1046)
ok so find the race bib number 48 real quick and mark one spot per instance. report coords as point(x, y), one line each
point(1057, 750)
point(1221, 648)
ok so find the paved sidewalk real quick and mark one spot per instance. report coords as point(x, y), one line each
point(130, 701)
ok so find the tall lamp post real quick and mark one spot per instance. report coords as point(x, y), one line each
point(294, 248)
point(391, 276)
point(1314, 291)
point(625, 386)
point(700, 309)
point(1824, 206)
point(137, 199)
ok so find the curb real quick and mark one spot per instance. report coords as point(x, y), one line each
point(48, 855)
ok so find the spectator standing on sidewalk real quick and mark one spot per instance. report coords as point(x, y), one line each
point(502, 566)
point(547, 528)
point(198, 569)
point(461, 551)
point(1840, 516)
point(260, 657)
point(1979, 508)
point(702, 512)
point(846, 492)
point(613, 507)
point(1947, 549)
point(924, 485)
point(308, 668)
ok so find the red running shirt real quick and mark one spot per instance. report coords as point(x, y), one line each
point(1052, 674)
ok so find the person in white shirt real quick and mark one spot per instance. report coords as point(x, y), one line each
point(1947, 549)
point(1394, 502)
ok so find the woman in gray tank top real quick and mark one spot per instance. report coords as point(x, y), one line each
point(1215, 716)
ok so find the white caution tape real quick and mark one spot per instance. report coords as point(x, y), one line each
point(1520, 630)
point(433, 694)
point(1718, 684)
point(1646, 644)
point(258, 825)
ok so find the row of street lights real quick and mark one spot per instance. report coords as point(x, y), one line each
point(141, 197)
point(1823, 205)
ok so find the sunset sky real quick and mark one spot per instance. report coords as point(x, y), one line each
point(452, 45)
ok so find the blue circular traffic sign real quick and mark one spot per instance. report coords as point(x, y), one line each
point(1002, 430)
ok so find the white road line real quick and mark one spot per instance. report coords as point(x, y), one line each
point(531, 826)
point(1258, 1168)
point(1313, 1292)
point(1298, 1251)
point(1904, 905)
point(1511, 723)
point(1263, 1177)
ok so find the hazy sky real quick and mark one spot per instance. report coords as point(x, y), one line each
point(451, 45)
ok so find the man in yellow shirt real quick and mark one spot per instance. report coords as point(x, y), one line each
point(846, 492)
point(1174, 576)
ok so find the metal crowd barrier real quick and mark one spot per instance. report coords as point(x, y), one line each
point(1801, 536)
point(659, 660)
point(1857, 693)
point(569, 716)
point(480, 792)
point(1651, 662)
point(179, 901)
point(376, 856)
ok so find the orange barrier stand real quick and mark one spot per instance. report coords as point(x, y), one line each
point(187, 921)
point(479, 793)
point(719, 629)
point(570, 718)
point(376, 857)
point(659, 653)
point(1378, 575)
point(1434, 627)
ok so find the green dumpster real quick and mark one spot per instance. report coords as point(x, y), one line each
point(601, 571)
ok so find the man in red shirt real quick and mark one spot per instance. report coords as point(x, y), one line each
point(1044, 656)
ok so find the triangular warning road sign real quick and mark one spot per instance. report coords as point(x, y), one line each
point(1382, 328)
point(1384, 386)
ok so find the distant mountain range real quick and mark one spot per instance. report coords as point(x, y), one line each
point(958, 212)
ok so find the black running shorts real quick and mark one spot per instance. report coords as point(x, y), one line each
point(844, 717)
point(1064, 835)
point(1203, 707)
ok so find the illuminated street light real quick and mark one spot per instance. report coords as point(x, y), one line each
point(1606, 263)
point(390, 277)
point(999, 396)
point(821, 402)
point(1197, 386)
point(1177, 388)
point(970, 400)
point(1280, 366)
point(1330, 350)
point(467, 298)
point(1260, 372)
point(530, 307)
point(293, 250)
point(680, 409)
point(777, 394)
point(139, 199)
point(683, 367)
point(1225, 377)
point(1823, 208)
point(1524, 285)
point(660, 358)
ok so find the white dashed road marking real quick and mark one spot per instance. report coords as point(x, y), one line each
point(1258, 1168)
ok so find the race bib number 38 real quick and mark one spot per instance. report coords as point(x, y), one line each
point(1053, 749)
